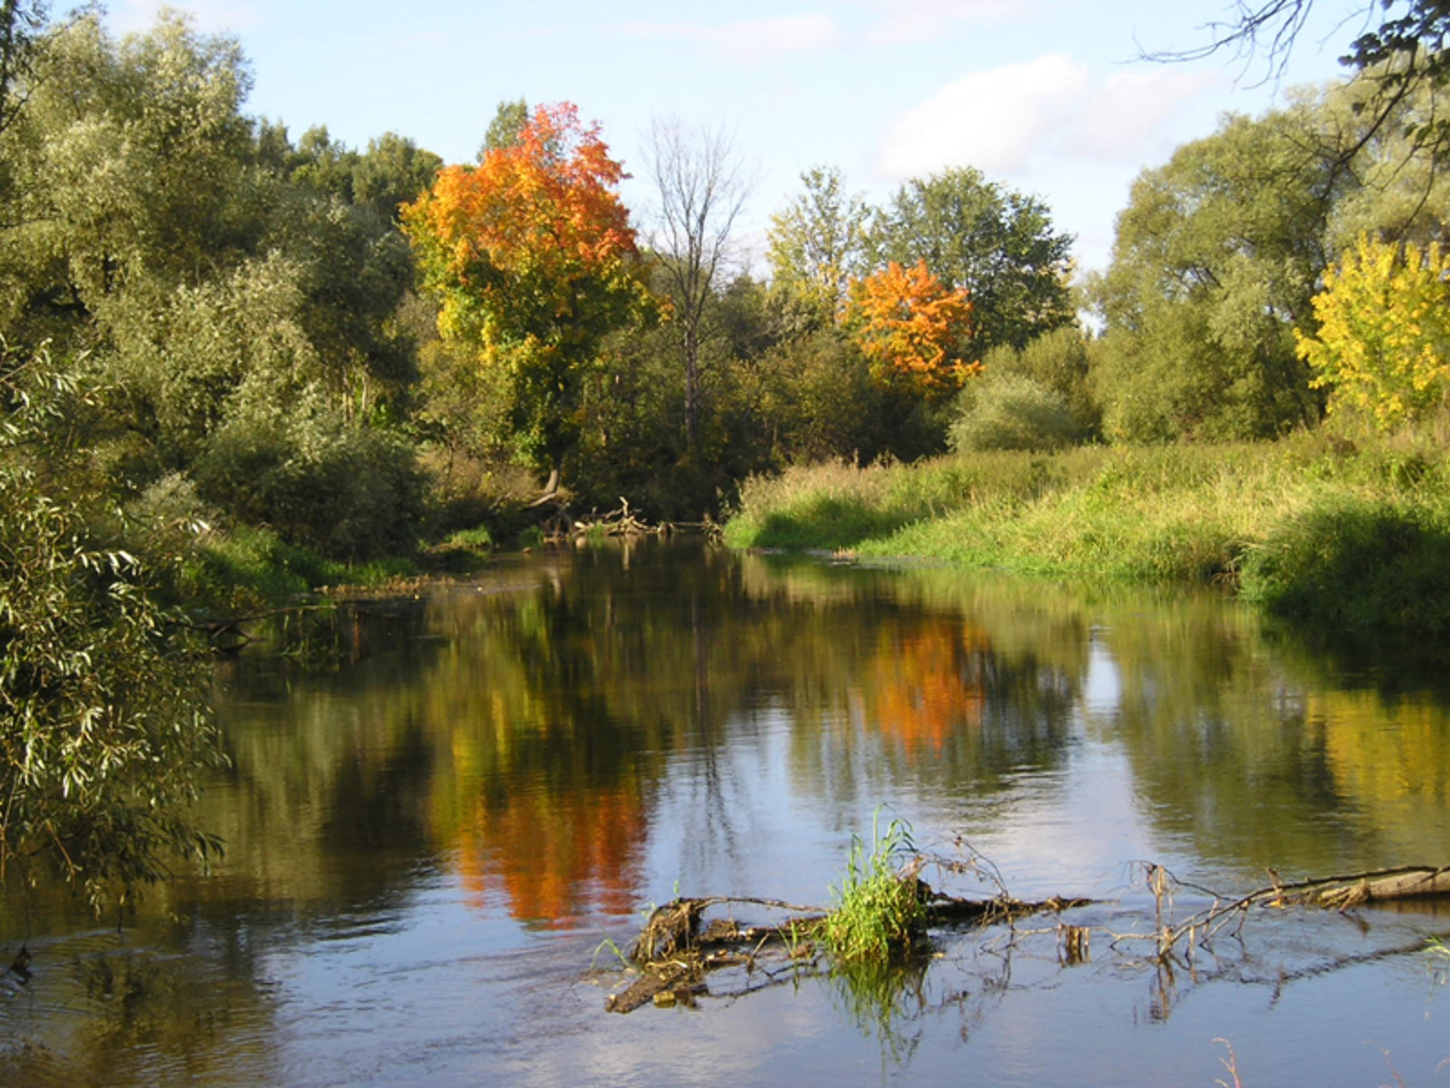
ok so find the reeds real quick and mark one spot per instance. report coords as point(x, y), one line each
point(878, 911)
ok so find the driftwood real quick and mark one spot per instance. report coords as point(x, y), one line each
point(677, 948)
point(1385, 885)
point(561, 526)
point(1338, 893)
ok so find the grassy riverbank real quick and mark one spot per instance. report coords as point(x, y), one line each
point(1314, 528)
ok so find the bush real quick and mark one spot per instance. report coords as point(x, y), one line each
point(1359, 565)
point(1012, 412)
point(348, 491)
point(104, 726)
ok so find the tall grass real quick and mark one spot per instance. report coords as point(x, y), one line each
point(877, 915)
point(1312, 528)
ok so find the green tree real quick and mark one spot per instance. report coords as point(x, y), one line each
point(1214, 263)
point(997, 243)
point(503, 131)
point(216, 274)
point(394, 171)
point(20, 23)
point(816, 246)
point(104, 728)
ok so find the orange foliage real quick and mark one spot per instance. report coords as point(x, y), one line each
point(909, 326)
point(507, 242)
point(925, 685)
point(555, 858)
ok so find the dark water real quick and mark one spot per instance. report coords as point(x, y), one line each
point(429, 840)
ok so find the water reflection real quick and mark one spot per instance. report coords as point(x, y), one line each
point(480, 782)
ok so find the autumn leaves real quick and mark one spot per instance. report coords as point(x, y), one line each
point(533, 261)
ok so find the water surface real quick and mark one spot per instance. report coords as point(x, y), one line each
point(430, 837)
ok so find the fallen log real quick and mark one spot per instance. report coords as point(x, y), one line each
point(677, 947)
point(1381, 886)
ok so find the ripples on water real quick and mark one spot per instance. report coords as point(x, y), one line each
point(429, 839)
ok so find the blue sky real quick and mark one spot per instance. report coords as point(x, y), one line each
point(1046, 96)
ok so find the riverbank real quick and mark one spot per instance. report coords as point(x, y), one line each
point(1315, 529)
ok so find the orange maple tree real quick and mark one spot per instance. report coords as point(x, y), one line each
point(531, 256)
point(912, 328)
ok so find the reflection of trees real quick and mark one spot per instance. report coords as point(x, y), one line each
point(1248, 750)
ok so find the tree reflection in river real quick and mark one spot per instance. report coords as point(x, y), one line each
point(547, 748)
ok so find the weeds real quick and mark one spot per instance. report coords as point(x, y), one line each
point(878, 914)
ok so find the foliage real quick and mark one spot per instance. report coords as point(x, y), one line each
point(215, 272)
point(1214, 263)
point(530, 255)
point(345, 491)
point(997, 244)
point(877, 914)
point(1384, 329)
point(1062, 361)
point(912, 329)
point(1012, 412)
point(104, 729)
point(20, 20)
point(1357, 565)
point(816, 246)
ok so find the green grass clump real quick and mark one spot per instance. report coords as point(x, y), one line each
point(877, 915)
point(1351, 563)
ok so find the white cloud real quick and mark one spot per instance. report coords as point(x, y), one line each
point(1001, 119)
point(1131, 110)
point(751, 41)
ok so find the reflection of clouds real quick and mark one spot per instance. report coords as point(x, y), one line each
point(1102, 685)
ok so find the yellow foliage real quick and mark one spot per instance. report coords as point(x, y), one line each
point(1384, 331)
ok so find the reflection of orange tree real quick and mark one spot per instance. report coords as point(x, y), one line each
point(924, 684)
point(556, 854)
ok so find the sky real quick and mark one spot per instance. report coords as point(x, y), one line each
point(1048, 97)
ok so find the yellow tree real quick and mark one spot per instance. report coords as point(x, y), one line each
point(912, 329)
point(532, 259)
point(1383, 344)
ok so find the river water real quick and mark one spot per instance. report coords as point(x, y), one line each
point(433, 836)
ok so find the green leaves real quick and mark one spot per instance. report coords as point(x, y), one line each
point(104, 730)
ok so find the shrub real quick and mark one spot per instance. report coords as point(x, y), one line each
point(1357, 565)
point(348, 491)
point(1011, 412)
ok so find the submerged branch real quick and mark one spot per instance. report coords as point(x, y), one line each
point(677, 946)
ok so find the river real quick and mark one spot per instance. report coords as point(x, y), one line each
point(440, 825)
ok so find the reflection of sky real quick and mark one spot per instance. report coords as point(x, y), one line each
point(1102, 686)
